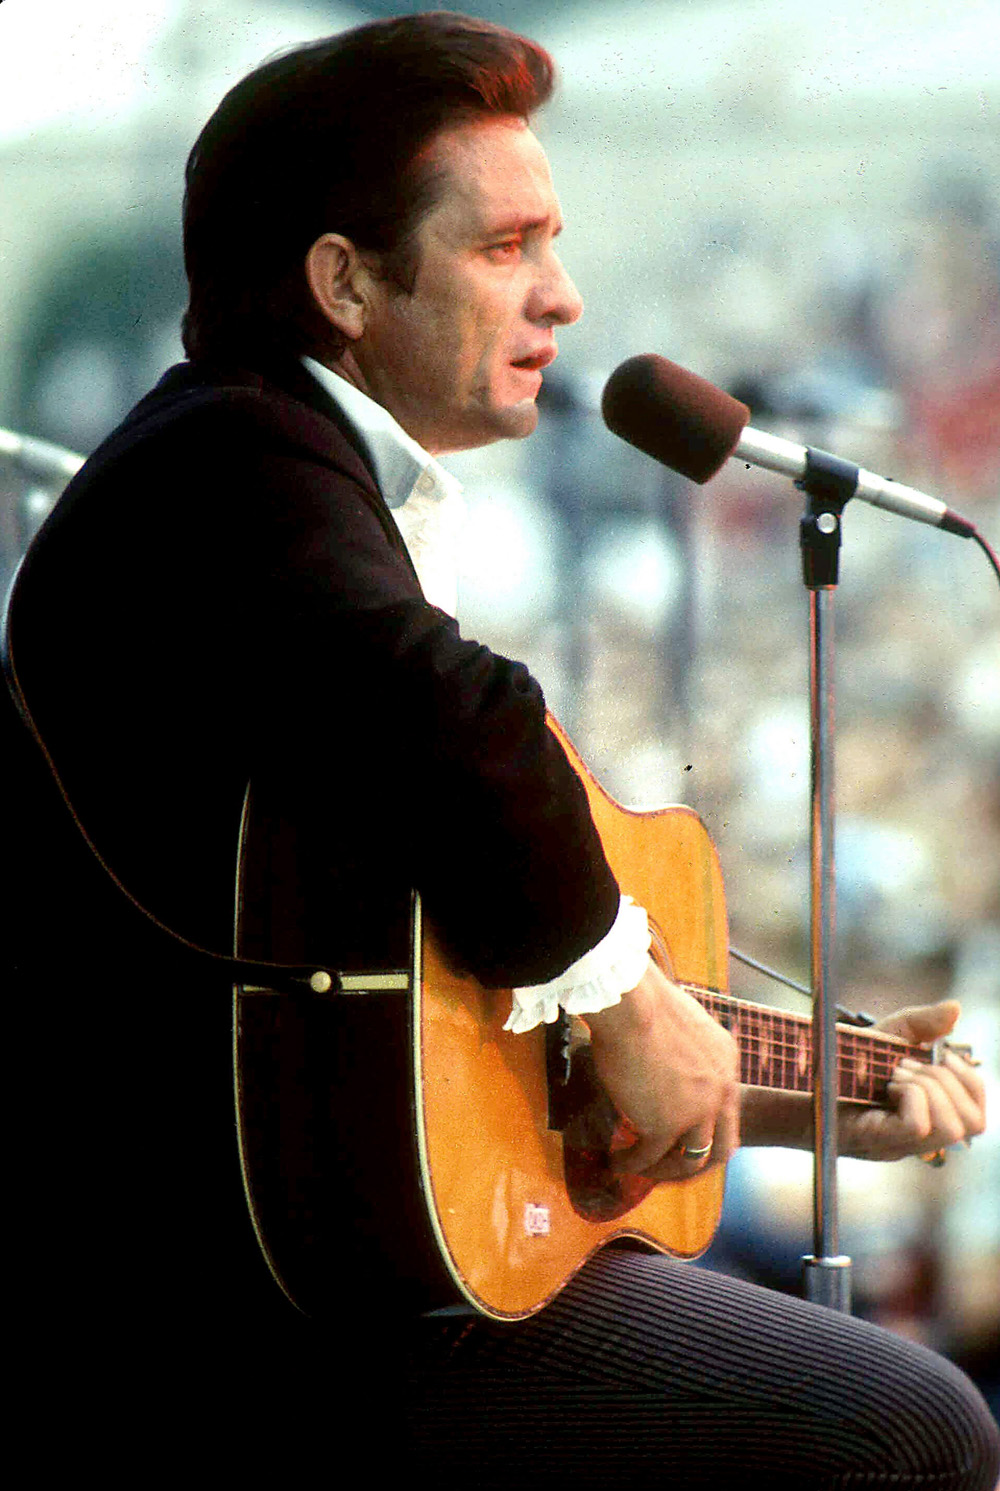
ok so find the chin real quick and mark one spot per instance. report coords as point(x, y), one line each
point(515, 422)
point(520, 419)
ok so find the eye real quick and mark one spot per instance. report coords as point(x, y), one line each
point(505, 252)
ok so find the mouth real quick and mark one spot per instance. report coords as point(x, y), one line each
point(535, 361)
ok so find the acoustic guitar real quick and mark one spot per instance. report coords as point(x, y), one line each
point(399, 1137)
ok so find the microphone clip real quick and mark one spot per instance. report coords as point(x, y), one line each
point(829, 484)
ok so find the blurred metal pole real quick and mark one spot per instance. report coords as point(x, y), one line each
point(827, 1273)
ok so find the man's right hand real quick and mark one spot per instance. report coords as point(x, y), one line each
point(673, 1072)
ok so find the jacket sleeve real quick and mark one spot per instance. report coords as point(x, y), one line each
point(223, 594)
point(485, 807)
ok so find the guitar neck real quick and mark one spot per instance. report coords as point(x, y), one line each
point(776, 1049)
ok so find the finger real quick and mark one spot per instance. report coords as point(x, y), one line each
point(726, 1140)
point(962, 1083)
point(658, 1159)
point(676, 1165)
point(966, 1074)
point(910, 1124)
point(644, 1155)
point(951, 1112)
point(922, 1023)
point(944, 1123)
point(673, 1166)
point(695, 1149)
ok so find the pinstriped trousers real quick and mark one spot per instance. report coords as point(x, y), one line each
point(649, 1373)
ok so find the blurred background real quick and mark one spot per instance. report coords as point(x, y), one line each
point(804, 207)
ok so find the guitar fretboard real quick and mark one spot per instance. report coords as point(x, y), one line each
point(776, 1049)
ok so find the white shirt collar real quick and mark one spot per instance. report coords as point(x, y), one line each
point(401, 465)
point(425, 500)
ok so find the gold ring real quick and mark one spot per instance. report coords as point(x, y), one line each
point(696, 1154)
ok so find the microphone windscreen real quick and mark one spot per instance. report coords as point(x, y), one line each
point(673, 415)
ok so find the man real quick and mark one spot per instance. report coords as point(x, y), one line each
point(224, 596)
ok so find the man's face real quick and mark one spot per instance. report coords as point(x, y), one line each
point(458, 362)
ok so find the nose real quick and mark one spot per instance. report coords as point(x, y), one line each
point(555, 301)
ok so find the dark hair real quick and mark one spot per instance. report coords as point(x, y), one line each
point(331, 138)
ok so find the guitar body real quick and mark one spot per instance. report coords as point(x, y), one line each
point(494, 1174)
point(438, 1177)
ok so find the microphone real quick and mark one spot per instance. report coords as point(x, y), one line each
point(694, 428)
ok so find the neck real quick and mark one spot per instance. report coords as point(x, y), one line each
point(776, 1049)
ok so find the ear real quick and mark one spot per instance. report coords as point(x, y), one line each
point(336, 278)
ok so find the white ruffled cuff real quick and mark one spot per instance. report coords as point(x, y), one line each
point(594, 982)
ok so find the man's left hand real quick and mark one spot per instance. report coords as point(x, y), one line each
point(930, 1106)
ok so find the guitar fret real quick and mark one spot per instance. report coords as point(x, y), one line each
point(776, 1048)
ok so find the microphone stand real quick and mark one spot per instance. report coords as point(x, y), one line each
point(828, 487)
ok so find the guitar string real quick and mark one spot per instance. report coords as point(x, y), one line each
point(847, 1061)
point(777, 1044)
point(788, 1027)
point(882, 1044)
point(790, 1078)
point(795, 1037)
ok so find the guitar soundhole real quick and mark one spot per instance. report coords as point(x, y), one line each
point(594, 1133)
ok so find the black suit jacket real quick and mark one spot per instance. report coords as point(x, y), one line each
point(222, 596)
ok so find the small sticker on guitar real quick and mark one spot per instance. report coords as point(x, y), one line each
point(536, 1220)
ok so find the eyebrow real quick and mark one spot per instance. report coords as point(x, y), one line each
point(524, 225)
